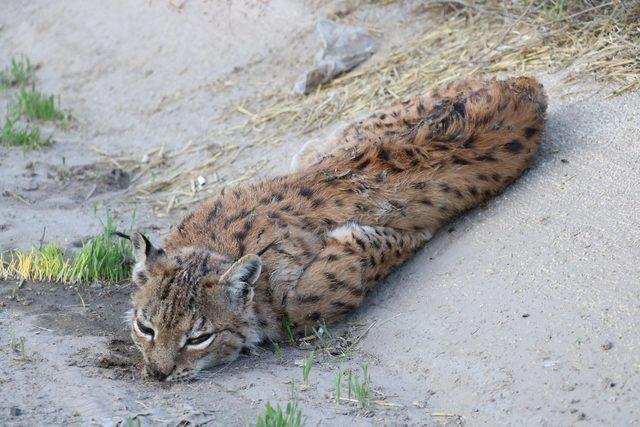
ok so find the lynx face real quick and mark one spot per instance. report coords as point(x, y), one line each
point(193, 309)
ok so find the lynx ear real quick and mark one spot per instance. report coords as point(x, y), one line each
point(238, 281)
point(145, 255)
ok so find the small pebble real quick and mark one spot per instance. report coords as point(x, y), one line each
point(145, 158)
point(201, 181)
point(564, 160)
point(607, 346)
point(526, 315)
point(15, 411)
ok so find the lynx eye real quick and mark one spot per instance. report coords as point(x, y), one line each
point(145, 330)
point(201, 341)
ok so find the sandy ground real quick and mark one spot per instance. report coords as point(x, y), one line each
point(524, 312)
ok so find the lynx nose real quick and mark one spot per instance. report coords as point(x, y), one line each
point(158, 374)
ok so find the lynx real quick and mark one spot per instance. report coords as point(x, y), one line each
point(309, 245)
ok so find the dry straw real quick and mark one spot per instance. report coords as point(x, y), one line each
point(484, 38)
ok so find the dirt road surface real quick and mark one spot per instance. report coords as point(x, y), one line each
point(523, 312)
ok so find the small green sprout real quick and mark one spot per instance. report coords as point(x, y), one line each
point(19, 73)
point(276, 417)
point(25, 136)
point(306, 368)
point(36, 105)
point(338, 384)
point(358, 389)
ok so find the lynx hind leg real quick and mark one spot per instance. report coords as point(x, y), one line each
point(354, 257)
point(379, 248)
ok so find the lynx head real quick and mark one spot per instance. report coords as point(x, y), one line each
point(193, 308)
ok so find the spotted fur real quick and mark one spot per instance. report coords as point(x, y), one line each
point(309, 245)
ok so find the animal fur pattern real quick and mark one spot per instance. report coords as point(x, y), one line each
point(308, 246)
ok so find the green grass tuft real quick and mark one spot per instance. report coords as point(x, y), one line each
point(19, 73)
point(358, 389)
point(37, 105)
point(306, 368)
point(338, 384)
point(25, 136)
point(276, 417)
point(102, 259)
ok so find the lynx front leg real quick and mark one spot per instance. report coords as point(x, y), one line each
point(353, 259)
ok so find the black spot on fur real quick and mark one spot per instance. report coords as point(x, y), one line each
point(214, 212)
point(363, 165)
point(530, 132)
point(426, 202)
point(514, 147)
point(315, 316)
point(482, 177)
point(279, 197)
point(396, 204)
point(459, 108)
point(383, 154)
point(332, 258)
point(343, 307)
point(469, 142)
point(355, 292)
point(496, 176)
point(306, 192)
point(440, 147)
point(419, 185)
point(306, 299)
point(328, 221)
point(473, 191)
point(316, 203)
point(240, 235)
point(460, 161)
point(486, 158)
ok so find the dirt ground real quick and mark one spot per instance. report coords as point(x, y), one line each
point(524, 312)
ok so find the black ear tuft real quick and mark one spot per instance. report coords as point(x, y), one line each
point(143, 251)
point(119, 234)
